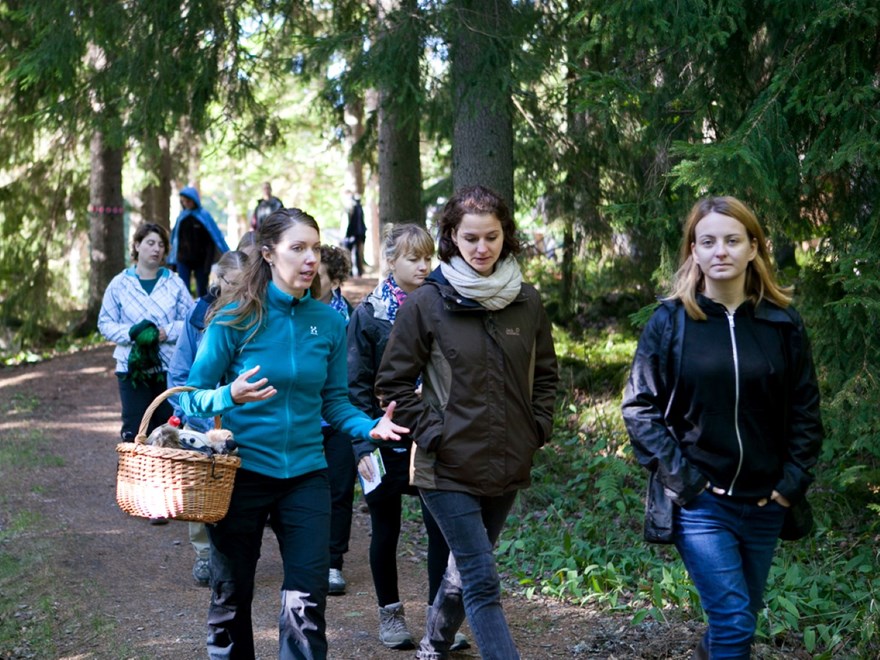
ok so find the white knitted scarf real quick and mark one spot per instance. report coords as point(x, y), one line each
point(495, 291)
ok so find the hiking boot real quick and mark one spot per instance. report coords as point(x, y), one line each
point(392, 628)
point(202, 572)
point(336, 582)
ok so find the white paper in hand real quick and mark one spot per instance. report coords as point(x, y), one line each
point(378, 466)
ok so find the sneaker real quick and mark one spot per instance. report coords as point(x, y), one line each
point(158, 521)
point(392, 628)
point(422, 654)
point(202, 572)
point(461, 642)
point(336, 582)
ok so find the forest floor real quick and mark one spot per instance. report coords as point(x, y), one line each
point(102, 584)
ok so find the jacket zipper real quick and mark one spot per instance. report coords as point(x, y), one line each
point(731, 323)
point(288, 425)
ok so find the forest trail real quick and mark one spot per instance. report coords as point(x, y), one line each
point(114, 586)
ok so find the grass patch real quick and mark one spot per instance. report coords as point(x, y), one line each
point(27, 448)
point(19, 404)
point(27, 614)
point(35, 619)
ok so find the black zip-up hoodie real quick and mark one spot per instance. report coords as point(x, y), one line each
point(696, 410)
point(727, 413)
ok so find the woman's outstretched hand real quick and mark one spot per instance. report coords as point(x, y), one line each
point(386, 429)
point(245, 392)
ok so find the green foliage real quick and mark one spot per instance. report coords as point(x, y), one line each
point(842, 309)
point(43, 201)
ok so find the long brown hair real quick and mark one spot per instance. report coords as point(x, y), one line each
point(760, 279)
point(477, 200)
point(249, 293)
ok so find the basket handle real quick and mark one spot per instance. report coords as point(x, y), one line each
point(141, 437)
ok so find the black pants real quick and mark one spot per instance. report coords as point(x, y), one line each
point(357, 257)
point(135, 400)
point(386, 509)
point(300, 511)
point(201, 274)
point(341, 470)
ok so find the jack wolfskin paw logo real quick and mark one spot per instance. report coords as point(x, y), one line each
point(314, 329)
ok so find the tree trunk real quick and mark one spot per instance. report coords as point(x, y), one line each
point(482, 138)
point(354, 122)
point(106, 225)
point(400, 169)
point(157, 195)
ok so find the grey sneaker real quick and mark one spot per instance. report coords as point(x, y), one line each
point(461, 642)
point(392, 628)
point(336, 582)
point(202, 572)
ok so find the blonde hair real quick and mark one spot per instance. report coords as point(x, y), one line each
point(760, 282)
point(404, 239)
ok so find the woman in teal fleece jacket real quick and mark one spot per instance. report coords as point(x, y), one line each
point(282, 354)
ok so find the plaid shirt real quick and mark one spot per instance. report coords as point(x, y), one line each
point(126, 303)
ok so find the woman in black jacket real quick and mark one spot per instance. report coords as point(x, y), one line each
point(722, 407)
point(407, 252)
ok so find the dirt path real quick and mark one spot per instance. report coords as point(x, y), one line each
point(116, 587)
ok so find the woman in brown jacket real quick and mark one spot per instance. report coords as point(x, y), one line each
point(480, 341)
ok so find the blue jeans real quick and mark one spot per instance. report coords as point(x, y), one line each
point(471, 526)
point(727, 547)
point(300, 513)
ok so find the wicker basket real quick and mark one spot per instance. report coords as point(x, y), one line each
point(158, 482)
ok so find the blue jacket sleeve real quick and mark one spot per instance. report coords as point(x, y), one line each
point(213, 359)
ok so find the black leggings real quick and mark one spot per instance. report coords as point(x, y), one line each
point(385, 516)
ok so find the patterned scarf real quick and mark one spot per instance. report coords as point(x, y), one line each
point(338, 303)
point(386, 299)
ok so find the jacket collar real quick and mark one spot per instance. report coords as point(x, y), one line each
point(161, 273)
point(448, 293)
point(765, 311)
point(283, 301)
